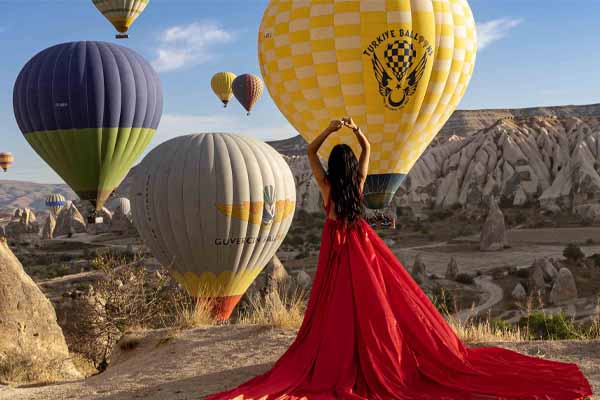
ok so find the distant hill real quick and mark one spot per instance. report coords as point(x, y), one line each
point(17, 194)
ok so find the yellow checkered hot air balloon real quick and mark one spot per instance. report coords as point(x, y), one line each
point(399, 68)
point(221, 84)
point(121, 13)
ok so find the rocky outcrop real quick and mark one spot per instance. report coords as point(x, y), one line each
point(69, 221)
point(536, 283)
point(49, 227)
point(273, 277)
point(564, 289)
point(540, 156)
point(519, 293)
point(493, 233)
point(452, 270)
point(2, 232)
point(29, 335)
point(419, 270)
point(550, 271)
point(303, 280)
point(22, 223)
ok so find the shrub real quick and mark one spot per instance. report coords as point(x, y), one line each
point(595, 258)
point(539, 326)
point(573, 252)
point(443, 300)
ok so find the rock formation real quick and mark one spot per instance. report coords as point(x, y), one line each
point(564, 289)
point(273, 277)
point(550, 271)
point(540, 156)
point(22, 223)
point(519, 293)
point(29, 334)
point(303, 280)
point(452, 270)
point(69, 221)
point(2, 232)
point(121, 224)
point(419, 270)
point(536, 282)
point(49, 226)
point(493, 233)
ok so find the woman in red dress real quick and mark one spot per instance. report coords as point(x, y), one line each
point(369, 331)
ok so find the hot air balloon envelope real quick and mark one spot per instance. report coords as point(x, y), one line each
point(6, 160)
point(221, 84)
point(398, 67)
point(89, 109)
point(248, 89)
point(217, 214)
point(121, 13)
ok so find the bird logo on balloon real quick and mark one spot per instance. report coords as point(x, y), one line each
point(397, 75)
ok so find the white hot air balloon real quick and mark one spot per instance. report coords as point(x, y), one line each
point(123, 204)
point(214, 208)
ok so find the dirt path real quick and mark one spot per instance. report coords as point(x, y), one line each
point(195, 363)
point(494, 295)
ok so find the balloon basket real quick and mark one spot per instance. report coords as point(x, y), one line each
point(122, 36)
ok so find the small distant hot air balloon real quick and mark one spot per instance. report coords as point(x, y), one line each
point(89, 109)
point(221, 84)
point(217, 214)
point(55, 202)
point(121, 13)
point(399, 68)
point(248, 89)
point(6, 160)
point(122, 204)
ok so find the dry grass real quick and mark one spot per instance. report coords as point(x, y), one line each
point(280, 308)
point(16, 368)
point(193, 312)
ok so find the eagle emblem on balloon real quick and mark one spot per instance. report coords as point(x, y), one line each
point(398, 75)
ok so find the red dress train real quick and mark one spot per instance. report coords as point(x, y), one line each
point(370, 332)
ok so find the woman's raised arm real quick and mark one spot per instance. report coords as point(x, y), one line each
point(365, 155)
point(313, 148)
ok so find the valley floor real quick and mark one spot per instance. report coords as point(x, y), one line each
point(191, 364)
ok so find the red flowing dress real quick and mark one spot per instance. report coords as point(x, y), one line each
point(371, 333)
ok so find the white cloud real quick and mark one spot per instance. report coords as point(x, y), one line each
point(185, 45)
point(494, 30)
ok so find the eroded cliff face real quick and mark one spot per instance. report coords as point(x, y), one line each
point(543, 156)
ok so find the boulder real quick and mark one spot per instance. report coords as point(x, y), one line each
point(536, 281)
point(29, 334)
point(273, 277)
point(589, 213)
point(519, 293)
point(49, 226)
point(69, 221)
point(493, 234)
point(564, 289)
point(303, 280)
point(419, 270)
point(550, 271)
point(452, 270)
point(22, 223)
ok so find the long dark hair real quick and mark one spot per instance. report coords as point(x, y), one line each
point(343, 176)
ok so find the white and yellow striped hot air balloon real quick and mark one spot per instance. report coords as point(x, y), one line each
point(121, 13)
point(221, 84)
point(399, 68)
point(214, 208)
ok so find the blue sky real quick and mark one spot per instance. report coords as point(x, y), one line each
point(534, 52)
